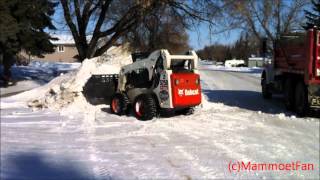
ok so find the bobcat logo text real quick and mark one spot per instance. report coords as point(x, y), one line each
point(188, 92)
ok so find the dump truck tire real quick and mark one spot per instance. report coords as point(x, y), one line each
point(301, 100)
point(119, 104)
point(145, 107)
point(266, 94)
point(289, 94)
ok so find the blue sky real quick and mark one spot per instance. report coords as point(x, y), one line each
point(201, 37)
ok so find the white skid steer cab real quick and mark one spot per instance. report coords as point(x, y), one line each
point(158, 81)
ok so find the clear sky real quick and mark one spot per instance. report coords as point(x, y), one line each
point(202, 37)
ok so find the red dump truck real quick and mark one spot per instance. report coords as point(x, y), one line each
point(295, 71)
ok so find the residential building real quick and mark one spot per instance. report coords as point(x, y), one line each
point(65, 51)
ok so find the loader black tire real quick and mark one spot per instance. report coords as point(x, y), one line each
point(289, 94)
point(119, 104)
point(266, 94)
point(301, 99)
point(145, 107)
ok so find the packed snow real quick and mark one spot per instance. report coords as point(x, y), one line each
point(75, 140)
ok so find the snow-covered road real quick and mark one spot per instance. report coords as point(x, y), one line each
point(236, 124)
point(241, 90)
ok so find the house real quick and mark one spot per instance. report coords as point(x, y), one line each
point(65, 51)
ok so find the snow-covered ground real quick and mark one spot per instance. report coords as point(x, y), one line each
point(37, 73)
point(233, 124)
point(207, 65)
point(19, 87)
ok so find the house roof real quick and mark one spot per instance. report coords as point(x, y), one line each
point(66, 39)
point(63, 39)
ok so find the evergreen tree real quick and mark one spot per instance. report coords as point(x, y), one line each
point(22, 26)
point(313, 17)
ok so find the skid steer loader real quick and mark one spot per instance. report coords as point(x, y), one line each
point(158, 81)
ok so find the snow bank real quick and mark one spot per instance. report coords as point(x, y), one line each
point(233, 69)
point(254, 71)
point(55, 66)
point(65, 92)
point(118, 56)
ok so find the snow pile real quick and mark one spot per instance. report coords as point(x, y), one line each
point(118, 56)
point(65, 91)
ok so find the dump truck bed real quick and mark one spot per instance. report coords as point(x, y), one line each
point(299, 54)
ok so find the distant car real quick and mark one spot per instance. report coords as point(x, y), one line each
point(234, 63)
point(241, 65)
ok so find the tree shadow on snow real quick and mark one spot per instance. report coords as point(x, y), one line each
point(250, 100)
point(40, 166)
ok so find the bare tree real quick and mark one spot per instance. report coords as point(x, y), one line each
point(159, 30)
point(81, 14)
point(265, 18)
point(108, 20)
